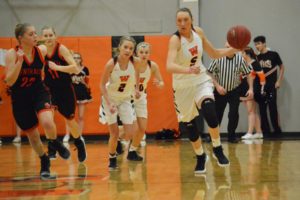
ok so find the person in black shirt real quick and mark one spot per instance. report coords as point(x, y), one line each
point(258, 87)
point(225, 73)
point(58, 69)
point(269, 61)
point(30, 99)
point(80, 83)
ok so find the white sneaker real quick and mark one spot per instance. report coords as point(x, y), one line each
point(257, 136)
point(0, 141)
point(17, 140)
point(66, 138)
point(248, 141)
point(247, 136)
point(258, 141)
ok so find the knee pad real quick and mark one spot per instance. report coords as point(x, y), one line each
point(209, 112)
point(189, 128)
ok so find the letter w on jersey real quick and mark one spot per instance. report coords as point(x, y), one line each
point(194, 50)
point(124, 78)
point(142, 79)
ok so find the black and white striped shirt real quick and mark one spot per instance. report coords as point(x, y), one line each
point(227, 71)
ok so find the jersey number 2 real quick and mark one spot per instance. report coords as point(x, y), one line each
point(121, 87)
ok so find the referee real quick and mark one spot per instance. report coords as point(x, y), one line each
point(225, 73)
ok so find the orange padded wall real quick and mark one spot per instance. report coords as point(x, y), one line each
point(96, 51)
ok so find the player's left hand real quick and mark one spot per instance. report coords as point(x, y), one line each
point(249, 94)
point(52, 65)
point(137, 94)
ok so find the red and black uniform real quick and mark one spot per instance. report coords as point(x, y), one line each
point(269, 61)
point(60, 85)
point(80, 82)
point(29, 95)
point(259, 80)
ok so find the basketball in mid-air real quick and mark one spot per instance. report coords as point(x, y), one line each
point(238, 36)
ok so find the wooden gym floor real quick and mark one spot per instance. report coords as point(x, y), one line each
point(259, 170)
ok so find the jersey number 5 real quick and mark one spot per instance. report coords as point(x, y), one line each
point(193, 61)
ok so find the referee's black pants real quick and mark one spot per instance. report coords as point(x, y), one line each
point(269, 100)
point(233, 98)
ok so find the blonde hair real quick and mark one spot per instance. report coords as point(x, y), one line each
point(116, 51)
point(48, 27)
point(127, 38)
point(143, 45)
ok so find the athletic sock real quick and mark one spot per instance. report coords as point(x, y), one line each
point(216, 142)
point(199, 151)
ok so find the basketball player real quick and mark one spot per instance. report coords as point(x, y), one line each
point(80, 82)
point(269, 61)
point(147, 68)
point(117, 85)
point(30, 99)
point(258, 85)
point(60, 64)
point(193, 88)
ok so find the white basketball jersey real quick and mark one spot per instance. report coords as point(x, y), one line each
point(144, 79)
point(121, 82)
point(190, 54)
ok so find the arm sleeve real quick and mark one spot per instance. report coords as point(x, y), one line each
point(245, 69)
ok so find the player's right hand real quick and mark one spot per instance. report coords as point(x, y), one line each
point(195, 69)
point(112, 108)
point(20, 54)
point(221, 90)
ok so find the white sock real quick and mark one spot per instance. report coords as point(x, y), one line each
point(112, 155)
point(199, 151)
point(216, 142)
point(132, 148)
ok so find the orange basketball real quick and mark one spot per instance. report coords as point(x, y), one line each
point(238, 36)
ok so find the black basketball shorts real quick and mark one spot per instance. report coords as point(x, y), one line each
point(26, 107)
point(63, 98)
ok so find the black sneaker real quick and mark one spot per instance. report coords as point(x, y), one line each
point(119, 148)
point(80, 145)
point(233, 139)
point(201, 161)
point(51, 153)
point(45, 169)
point(63, 152)
point(132, 155)
point(219, 155)
point(112, 164)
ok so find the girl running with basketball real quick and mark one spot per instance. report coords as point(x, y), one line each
point(193, 88)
